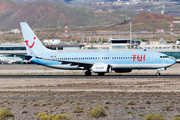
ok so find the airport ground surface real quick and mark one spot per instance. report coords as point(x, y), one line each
point(123, 98)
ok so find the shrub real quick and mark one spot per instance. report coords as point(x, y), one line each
point(126, 108)
point(176, 118)
point(67, 100)
point(78, 109)
point(47, 117)
point(97, 112)
point(167, 108)
point(129, 113)
point(131, 103)
point(5, 113)
point(62, 117)
point(153, 116)
point(40, 114)
point(148, 102)
point(44, 116)
point(141, 115)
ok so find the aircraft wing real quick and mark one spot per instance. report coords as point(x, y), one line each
point(13, 61)
point(83, 64)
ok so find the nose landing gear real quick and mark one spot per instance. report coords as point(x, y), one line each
point(160, 69)
point(158, 73)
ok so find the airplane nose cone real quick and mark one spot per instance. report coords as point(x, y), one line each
point(172, 61)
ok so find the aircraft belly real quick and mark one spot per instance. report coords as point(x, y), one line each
point(139, 66)
point(159, 65)
point(67, 67)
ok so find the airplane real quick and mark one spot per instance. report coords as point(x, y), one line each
point(99, 62)
point(10, 60)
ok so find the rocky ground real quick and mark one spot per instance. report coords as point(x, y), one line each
point(25, 109)
point(158, 95)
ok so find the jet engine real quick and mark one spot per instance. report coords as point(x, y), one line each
point(101, 68)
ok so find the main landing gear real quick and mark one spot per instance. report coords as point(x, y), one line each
point(88, 73)
point(101, 74)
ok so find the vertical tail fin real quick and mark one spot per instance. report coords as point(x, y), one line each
point(33, 44)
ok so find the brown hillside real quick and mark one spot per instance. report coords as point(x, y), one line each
point(144, 21)
point(62, 2)
point(143, 18)
point(6, 6)
point(45, 14)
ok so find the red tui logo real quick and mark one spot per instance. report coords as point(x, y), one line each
point(139, 58)
point(32, 44)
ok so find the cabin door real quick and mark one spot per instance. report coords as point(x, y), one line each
point(152, 60)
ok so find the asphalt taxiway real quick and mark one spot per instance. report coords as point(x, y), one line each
point(37, 71)
point(76, 98)
point(87, 77)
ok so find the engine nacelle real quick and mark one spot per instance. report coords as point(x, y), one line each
point(122, 70)
point(101, 68)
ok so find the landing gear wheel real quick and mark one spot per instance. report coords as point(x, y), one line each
point(88, 73)
point(158, 73)
point(101, 74)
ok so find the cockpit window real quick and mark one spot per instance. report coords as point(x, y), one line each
point(164, 56)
